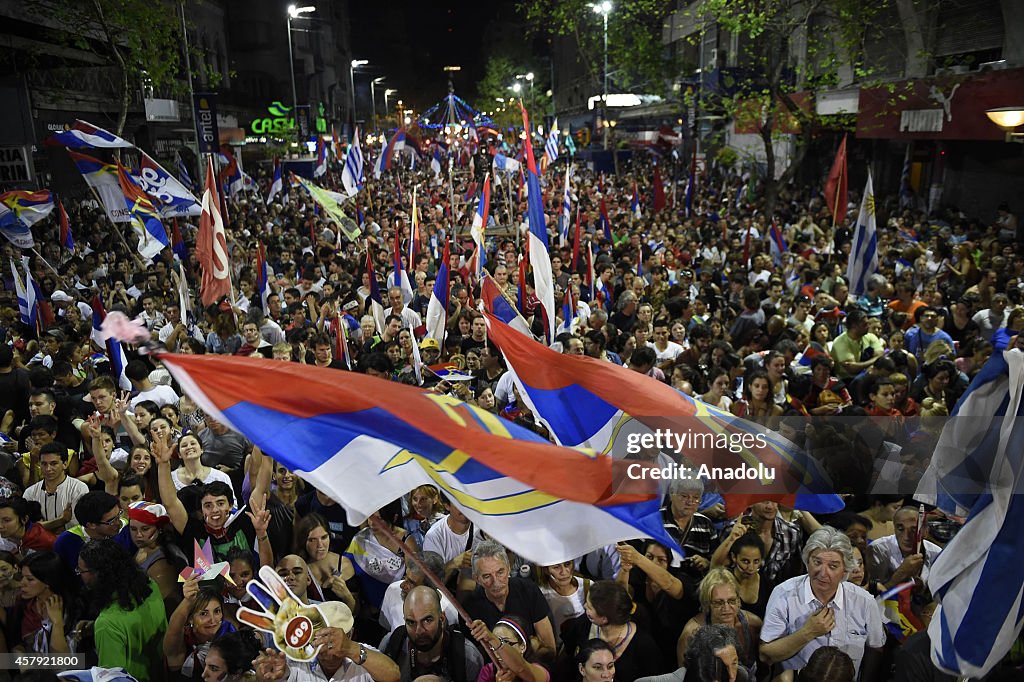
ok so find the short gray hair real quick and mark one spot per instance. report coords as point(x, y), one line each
point(432, 560)
point(828, 539)
point(489, 549)
point(686, 485)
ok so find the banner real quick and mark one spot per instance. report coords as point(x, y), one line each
point(205, 111)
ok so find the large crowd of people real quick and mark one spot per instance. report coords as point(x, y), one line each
point(106, 490)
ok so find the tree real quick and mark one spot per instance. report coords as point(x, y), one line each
point(499, 75)
point(789, 50)
point(142, 39)
point(636, 57)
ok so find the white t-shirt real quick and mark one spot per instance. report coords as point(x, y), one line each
point(565, 608)
point(161, 395)
point(671, 352)
point(214, 475)
point(66, 494)
point(442, 539)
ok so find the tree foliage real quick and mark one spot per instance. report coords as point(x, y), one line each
point(142, 39)
point(499, 75)
point(637, 61)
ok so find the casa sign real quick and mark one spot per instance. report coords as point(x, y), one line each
point(281, 121)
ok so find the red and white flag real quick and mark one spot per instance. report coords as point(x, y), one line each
point(212, 244)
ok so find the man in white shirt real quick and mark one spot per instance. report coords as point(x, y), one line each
point(665, 350)
point(453, 537)
point(820, 609)
point(137, 372)
point(57, 493)
point(896, 558)
point(410, 318)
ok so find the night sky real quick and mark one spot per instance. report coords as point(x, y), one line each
point(411, 42)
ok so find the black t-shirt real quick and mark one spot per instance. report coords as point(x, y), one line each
point(639, 659)
point(524, 601)
point(341, 532)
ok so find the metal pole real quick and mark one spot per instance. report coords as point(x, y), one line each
point(352, 82)
point(604, 99)
point(373, 106)
point(291, 72)
point(191, 91)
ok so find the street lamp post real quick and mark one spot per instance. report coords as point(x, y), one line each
point(352, 81)
point(294, 13)
point(604, 9)
point(373, 100)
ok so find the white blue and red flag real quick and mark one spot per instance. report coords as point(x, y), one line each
point(540, 260)
point(111, 347)
point(277, 184)
point(494, 301)
point(82, 135)
point(366, 442)
point(437, 307)
point(67, 240)
point(145, 218)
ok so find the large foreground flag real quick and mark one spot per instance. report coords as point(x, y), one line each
point(835, 186)
point(212, 244)
point(366, 442)
point(145, 218)
point(864, 253)
point(540, 261)
point(978, 465)
point(175, 199)
point(603, 406)
point(82, 135)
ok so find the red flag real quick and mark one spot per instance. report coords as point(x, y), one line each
point(576, 242)
point(746, 248)
point(659, 190)
point(66, 240)
point(212, 245)
point(835, 187)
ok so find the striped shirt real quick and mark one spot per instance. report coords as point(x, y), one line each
point(701, 538)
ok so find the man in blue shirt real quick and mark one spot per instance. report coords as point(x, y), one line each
point(925, 331)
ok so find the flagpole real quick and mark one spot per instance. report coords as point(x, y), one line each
point(132, 252)
point(47, 264)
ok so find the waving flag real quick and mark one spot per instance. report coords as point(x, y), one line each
point(398, 277)
point(231, 176)
point(145, 219)
point(395, 145)
point(414, 234)
point(479, 226)
point(178, 246)
point(328, 201)
point(28, 295)
point(82, 135)
point(435, 162)
point(504, 164)
point(569, 144)
point(174, 198)
point(977, 466)
point(183, 175)
point(352, 175)
point(374, 298)
point(112, 347)
point(600, 405)
point(66, 238)
point(494, 301)
point(212, 245)
point(777, 243)
point(277, 184)
point(659, 189)
point(634, 203)
point(320, 168)
point(604, 222)
point(262, 275)
point(568, 311)
point(566, 219)
point(437, 307)
point(540, 261)
point(551, 146)
point(19, 211)
point(366, 442)
point(102, 177)
point(576, 242)
point(864, 254)
point(835, 187)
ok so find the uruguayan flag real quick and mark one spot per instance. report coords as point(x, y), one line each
point(352, 175)
point(864, 252)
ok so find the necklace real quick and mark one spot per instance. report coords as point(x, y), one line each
point(625, 635)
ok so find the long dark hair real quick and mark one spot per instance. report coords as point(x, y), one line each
point(49, 569)
point(116, 576)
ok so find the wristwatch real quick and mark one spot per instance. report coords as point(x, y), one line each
point(362, 654)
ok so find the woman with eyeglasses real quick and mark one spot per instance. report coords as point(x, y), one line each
point(198, 620)
point(720, 605)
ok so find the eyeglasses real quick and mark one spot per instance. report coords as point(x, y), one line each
point(111, 523)
point(719, 603)
point(509, 642)
point(80, 571)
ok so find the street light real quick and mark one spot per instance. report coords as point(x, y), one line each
point(1007, 118)
point(373, 100)
point(604, 9)
point(527, 77)
point(517, 88)
point(294, 13)
point(352, 81)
